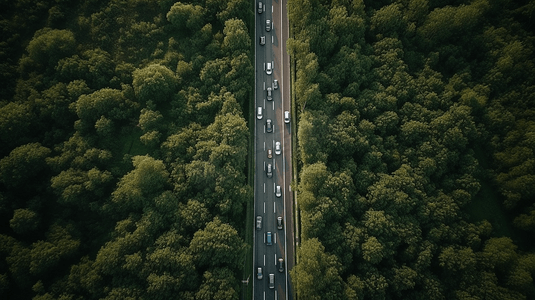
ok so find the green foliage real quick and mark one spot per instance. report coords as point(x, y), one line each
point(188, 16)
point(154, 83)
point(389, 113)
point(24, 221)
point(48, 46)
point(23, 164)
point(217, 245)
point(315, 264)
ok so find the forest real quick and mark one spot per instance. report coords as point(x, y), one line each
point(123, 148)
point(415, 117)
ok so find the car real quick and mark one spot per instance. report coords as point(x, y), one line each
point(262, 40)
point(286, 117)
point(259, 113)
point(271, 281)
point(281, 264)
point(260, 7)
point(268, 24)
point(269, 70)
point(268, 238)
point(275, 84)
point(258, 222)
point(270, 153)
point(278, 148)
point(269, 172)
point(279, 223)
point(259, 273)
point(278, 191)
point(269, 96)
point(269, 125)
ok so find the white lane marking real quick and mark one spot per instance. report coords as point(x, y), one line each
point(264, 146)
point(264, 187)
point(264, 85)
point(275, 237)
point(275, 259)
point(273, 105)
point(264, 128)
point(271, 8)
point(264, 212)
point(273, 187)
point(264, 260)
point(273, 207)
point(272, 39)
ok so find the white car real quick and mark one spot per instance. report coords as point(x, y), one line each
point(286, 117)
point(278, 148)
point(258, 222)
point(259, 273)
point(278, 191)
point(269, 70)
point(259, 113)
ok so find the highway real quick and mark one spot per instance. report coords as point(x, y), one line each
point(267, 205)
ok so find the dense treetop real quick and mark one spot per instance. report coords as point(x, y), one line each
point(410, 113)
point(123, 149)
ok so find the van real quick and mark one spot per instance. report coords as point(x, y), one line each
point(268, 69)
point(259, 113)
point(271, 281)
point(268, 239)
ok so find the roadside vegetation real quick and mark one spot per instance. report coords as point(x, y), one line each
point(409, 112)
point(123, 146)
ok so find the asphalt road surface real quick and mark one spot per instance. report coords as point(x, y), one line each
point(267, 204)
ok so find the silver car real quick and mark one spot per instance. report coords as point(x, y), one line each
point(269, 94)
point(278, 191)
point(268, 25)
point(269, 172)
point(258, 222)
point(259, 273)
point(262, 40)
point(275, 84)
point(278, 148)
point(279, 222)
point(260, 7)
point(269, 69)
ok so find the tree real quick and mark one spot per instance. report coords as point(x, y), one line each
point(23, 163)
point(188, 16)
point(218, 283)
point(107, 102)
point(236, 37)
point(155, 83)
point(372, 250)
point(388, 21)
point(147, 180)
point(315, 264)
point(49, 45)
point(217, 245)
point(24, 221)
point(15, 123)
